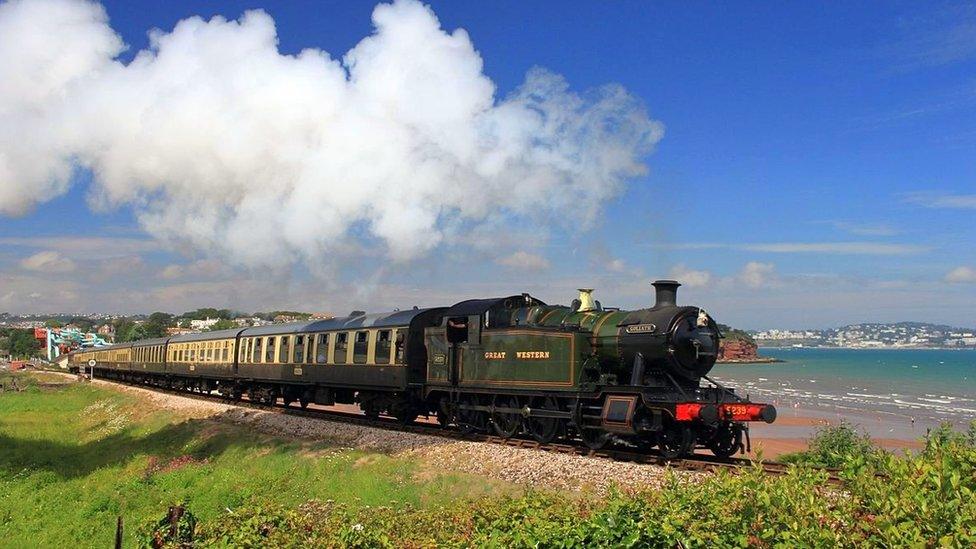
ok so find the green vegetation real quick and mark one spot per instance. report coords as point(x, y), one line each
point(222, 324)
point(835, 446)
point(887, 501)
point(734, 334)
point(74, 457)
point(208, 312)
point(20, 343)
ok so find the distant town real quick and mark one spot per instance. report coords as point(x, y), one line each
point(901, 335)
point(50, 335)
point(110, 325)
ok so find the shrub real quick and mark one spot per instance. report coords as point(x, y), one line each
point(922, 500)
point(835, 446)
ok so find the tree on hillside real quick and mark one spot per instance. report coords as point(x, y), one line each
point(222, 324)
point(208, 312)
point(21, 343)
point(135, 332)
point(733, 334)
point(122, 327)
point(83, 324)
point(51, 323)
point(157, 323)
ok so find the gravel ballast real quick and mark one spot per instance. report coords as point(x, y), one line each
point(524, 466)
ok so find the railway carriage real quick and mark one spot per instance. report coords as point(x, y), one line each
point(511, 365)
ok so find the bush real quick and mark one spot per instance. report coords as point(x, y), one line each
point(923, 500)
point(835, 446)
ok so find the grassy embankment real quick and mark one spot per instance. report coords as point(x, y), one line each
point(74, 457)
point(68, 467)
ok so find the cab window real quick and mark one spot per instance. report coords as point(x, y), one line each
point(361, 348)
point(341, 344)
point(383, 347)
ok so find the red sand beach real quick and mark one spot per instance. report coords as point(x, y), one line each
point(795, 426)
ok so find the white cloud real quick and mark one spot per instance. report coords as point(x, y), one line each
point(865, 229)
point(221, 143)
point(940, 200)
point(523, 260)
point(690, 277)
point(88, 247)
point(961, 275)
point(48, 261)
point(859, 248)
point(756, 274)
point(616, 266)
point(202, 268)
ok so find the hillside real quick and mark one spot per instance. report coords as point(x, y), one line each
point(873, 334)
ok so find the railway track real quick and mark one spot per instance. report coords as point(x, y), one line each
point(695, 462)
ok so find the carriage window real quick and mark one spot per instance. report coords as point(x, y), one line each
point(283, 350)
point(243, 350)
point(256, 351)
point(341, 344)
point(322, 349)
point(383, 347)
point(360, 349)
point(225, 355)
point(299, 354)
point(269, 349)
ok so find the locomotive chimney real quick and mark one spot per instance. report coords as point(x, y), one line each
point(665, 293)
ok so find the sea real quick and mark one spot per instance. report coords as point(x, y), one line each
point(910, 386)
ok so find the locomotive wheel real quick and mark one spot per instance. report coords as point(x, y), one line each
point(675, 441)
point(595, 439)
point(371, 411)
point(469, 421)
point(405, 414)
point(443, 418)
point(726, 441)
point(303, 402)
point(543, 429)
point(506, 425)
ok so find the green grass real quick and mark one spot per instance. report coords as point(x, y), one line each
point(73, 458)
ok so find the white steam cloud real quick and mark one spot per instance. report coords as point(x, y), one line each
point(219, 141)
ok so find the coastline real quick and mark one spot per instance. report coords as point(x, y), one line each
point(755, 360)
point(793, 429)
point(890, 348)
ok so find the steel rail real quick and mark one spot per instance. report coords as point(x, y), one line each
point(694, 462)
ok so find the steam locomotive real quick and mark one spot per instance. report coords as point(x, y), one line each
point(512, 365)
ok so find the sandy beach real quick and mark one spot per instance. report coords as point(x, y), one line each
point(795, 426)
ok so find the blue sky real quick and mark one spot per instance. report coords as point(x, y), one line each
point(816, 169)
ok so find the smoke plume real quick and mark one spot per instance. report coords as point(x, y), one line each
point(220, 142)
